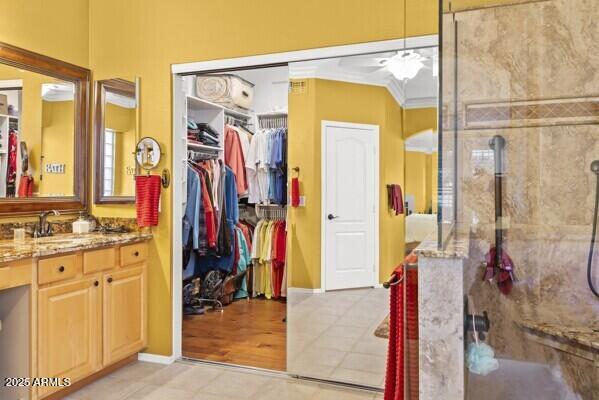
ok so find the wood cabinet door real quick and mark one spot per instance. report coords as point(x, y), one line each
point(69, 327)
point(125, 313)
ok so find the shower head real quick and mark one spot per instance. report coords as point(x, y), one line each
point(595, 166)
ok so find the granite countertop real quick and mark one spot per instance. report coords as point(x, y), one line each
point(581, 335)
point(456, 246)
point(11, 250)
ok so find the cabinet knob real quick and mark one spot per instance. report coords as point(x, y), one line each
point(96, 283)
point(61, 268)
point(109, 279)
point(136, 254)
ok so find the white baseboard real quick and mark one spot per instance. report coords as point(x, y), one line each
point(155, 358)
point(303, 290)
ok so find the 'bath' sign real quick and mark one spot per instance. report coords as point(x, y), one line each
point(55, 168)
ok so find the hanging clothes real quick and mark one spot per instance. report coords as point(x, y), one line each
point(266, 166)
point(234, 158)
point(11, 169)
point(269, 255)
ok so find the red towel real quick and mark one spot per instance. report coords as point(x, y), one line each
point(25, 186)
point(295, 192)
point(147, 199)
point(394, 379)
point(412, 331)
point(396, 199)
point(403, 345)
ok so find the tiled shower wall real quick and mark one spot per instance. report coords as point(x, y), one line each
point(528, 72)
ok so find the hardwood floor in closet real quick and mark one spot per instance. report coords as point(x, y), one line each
point(248, 332)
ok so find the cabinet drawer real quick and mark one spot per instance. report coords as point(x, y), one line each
point(57, 269)
point(99, 260)
point(5, 280)
point(134, 253)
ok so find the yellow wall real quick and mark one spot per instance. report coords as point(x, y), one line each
point(416, 171)
point(420, 119)
point(421, 180)
point(124, 122)
point(58, 147)
point(428, 184)
point(434, 181)
point(56, 28)
point(345, 102)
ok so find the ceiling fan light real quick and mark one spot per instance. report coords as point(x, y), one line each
point(404, 67)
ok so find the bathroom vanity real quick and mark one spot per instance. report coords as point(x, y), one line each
point(81, 302)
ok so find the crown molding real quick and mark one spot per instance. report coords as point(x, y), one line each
point(421, 102)
point(396, 90)
point(394, 86)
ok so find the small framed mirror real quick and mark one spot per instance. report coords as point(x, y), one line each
point(115, 130)
point(148, 153)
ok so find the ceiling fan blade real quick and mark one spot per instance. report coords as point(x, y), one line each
point(361, 62)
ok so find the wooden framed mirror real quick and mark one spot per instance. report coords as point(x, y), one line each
point(44, 124)
point(116, 116)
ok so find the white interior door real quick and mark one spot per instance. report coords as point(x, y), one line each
point(350, 212)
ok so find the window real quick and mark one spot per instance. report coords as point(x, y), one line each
point(109, 142)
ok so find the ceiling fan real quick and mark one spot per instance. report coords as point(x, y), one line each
point(403, 64)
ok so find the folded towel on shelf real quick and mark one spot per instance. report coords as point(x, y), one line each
point(147, 199)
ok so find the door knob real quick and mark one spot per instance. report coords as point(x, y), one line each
point(109, 280)
point(61, 268)
point(331, 216)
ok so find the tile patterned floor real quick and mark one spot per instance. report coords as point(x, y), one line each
point(331, 335)
point(192, 381)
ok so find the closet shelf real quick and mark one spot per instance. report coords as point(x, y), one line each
point(198, 146)
point(195, 103)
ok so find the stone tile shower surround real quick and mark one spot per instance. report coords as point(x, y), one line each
point(525, 65)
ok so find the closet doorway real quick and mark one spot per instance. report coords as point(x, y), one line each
point(234, 220)
point(280, 314)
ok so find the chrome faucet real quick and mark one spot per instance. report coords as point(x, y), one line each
point(43, 228)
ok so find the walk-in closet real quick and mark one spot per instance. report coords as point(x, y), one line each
point(234, 219)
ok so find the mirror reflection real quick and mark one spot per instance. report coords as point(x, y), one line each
point(148, 153)
point(37, 121)
point(116, 138)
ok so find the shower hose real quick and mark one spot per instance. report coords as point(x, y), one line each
point(595, 169)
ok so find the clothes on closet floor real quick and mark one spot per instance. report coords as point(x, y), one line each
point(266, 165)
point(268, 254)
point(201, 133)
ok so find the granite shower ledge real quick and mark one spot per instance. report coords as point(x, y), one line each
point(457, 246)
point(41, 247)
point(587, 337)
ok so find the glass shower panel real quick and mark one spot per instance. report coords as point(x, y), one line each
point(527, 81)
